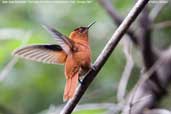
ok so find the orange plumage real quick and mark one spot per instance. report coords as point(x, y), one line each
point(74, 52)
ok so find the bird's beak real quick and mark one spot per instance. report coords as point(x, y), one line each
point(91, 25)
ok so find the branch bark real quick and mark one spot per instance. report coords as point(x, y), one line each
point(117, 19)
point(155, 86)
point(122, 86)
point(146, 86)
point(104, 55)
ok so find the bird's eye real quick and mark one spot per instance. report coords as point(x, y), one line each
point(81, 30)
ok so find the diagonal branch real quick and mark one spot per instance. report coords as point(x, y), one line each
point(155, 83)
point(104, 55)
point(156, 11)
point(145, 86)
point(117, 19)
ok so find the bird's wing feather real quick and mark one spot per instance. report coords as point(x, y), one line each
point(52, 54)
point(62, 40)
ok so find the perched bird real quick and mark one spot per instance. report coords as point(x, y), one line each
point(74, 52)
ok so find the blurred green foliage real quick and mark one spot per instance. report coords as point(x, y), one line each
point(30, 87)
point(91, 112)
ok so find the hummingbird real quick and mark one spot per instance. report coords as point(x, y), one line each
point(73, 52)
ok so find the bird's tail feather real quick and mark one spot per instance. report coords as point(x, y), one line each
point(70, 87)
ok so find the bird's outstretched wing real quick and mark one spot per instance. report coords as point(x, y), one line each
point(52, 54)
point(62, 40)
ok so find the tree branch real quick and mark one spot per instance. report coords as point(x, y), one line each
point(117, 19)
point(104, 55)
point(127, 49)
point(157, 80)
point(162, 25)
point(145, 86)
point(109, 107)
point(148, 53)
point(156, 11)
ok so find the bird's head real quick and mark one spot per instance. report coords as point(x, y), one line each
point(81, 32)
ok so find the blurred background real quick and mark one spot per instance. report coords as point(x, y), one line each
point(28, 87)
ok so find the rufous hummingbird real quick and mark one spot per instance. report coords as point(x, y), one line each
point(74, 52)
